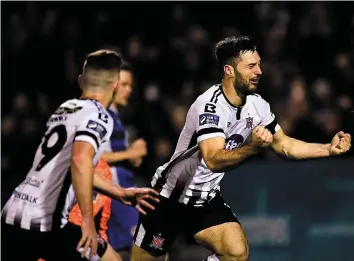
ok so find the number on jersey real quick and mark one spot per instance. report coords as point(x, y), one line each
point(103, 117)
point(50, 152)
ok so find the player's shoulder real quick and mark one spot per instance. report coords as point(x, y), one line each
point(95, 108)
point(67, 111)
point(211, 95)
point(259, 104)
point(76, 105)
point(71, 104)
point(87, 109)
point(256, 99)
point(211, 101)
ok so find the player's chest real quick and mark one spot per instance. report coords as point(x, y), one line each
point(239, 127)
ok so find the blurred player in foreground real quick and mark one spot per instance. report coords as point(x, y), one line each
point(34, 217)
point(122, 159)
point(226, 125)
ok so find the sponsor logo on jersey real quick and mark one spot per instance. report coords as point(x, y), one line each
point(97, 127)
point(234, 141)
point(25, 197)
point(57, 119)
point(208, 119)
point(33, 182)
point(66, 110)
point(157, 242)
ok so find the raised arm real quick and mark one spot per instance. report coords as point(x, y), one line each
point(297, 149)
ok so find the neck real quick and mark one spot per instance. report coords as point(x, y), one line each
point(114, 106)
point(96, 96)
point(232, 96)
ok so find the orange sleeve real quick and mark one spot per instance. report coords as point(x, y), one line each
point(100, 201)
point(75, 216)
point(106, 214)
point(103, 169)
point(106, 209)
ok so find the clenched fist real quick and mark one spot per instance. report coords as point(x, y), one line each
point(261, 137)
point(341, 143)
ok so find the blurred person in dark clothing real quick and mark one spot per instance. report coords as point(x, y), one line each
point(123, 159)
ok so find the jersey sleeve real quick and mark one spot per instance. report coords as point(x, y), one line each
point(94, 129)
point(209, 120)
point(269, 120)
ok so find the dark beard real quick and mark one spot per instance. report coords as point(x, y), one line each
point(241, 87)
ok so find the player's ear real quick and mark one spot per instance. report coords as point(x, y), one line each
point(80, 81)
point(229, 70)
point(117, 85)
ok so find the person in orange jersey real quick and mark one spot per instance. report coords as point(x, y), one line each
point(101, 203)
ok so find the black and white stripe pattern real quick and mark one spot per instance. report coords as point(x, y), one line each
point(43, 201)
point(216, 94)
point(186, 178)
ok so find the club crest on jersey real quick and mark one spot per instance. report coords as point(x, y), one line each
point(157, 242)
point(67, 110)
point(249, 123)
point(97, 127)
point(208, 119)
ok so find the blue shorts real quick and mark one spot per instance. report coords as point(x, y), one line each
point(124, 219)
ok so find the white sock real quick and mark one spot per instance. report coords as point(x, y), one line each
point(212, 258)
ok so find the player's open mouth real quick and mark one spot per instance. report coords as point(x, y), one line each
point(254, 81)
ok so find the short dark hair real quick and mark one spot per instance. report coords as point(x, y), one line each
point(230, 48)
point(103, 59)
point(126, 67)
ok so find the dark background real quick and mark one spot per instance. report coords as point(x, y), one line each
point(308, 54)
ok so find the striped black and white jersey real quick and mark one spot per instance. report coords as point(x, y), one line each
point(45, 197)
point(186, 177)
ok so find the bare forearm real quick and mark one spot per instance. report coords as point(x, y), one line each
point(82, 180)
point(225, 159)
point(112, 157)
point(107, 187)
point(297, 149)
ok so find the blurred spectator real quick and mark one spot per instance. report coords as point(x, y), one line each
point(172, 54)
